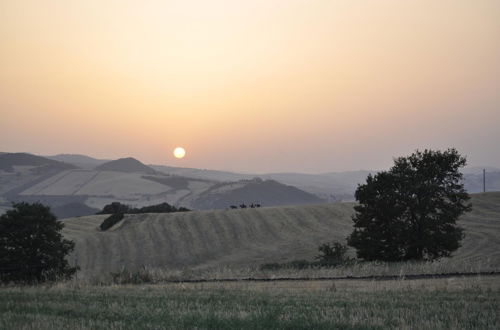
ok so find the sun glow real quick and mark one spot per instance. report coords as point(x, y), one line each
point(179, 152)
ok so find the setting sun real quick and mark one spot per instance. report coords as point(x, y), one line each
point(179, 152)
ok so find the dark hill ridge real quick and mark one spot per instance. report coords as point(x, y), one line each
point(264, 192)
point(129, 165)
point(9, 160)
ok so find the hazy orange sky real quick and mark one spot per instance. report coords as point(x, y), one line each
point(255, 86)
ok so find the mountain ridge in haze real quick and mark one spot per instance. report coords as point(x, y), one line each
point(331, 186)
point(81, 191)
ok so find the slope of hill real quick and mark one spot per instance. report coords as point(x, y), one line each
point(252, 236)
point(81, 161)
point(212, 175)
point(9, 160)
point(473, 182)
point(80, 192)
point(127, 165)
point(19, 171)
point(265, 192)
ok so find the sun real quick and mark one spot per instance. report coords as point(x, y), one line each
point(179, 152)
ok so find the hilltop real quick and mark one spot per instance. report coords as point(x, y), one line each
point(127, 165)
point(268, 192)
point(247, 237)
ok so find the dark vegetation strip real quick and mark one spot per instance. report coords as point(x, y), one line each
point(371, 277)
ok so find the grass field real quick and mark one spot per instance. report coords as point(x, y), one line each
point(229, 243)
point(457, 303)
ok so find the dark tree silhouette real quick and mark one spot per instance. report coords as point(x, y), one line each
point(31, 246)
point(410, 211)
point(119, 208)
point(110, 221)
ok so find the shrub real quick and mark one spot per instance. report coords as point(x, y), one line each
point(110, 221)
point(125, 276)
point(332, 254)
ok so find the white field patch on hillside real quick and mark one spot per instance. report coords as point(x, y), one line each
point(94, 183)
point(64, 183)
point(199, 186)
point(122, 185)
point(225, 187)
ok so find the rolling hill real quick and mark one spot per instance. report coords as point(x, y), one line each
point(8, 162)
point(204, 239)
point(72, 191)
point(77, 185)
point(127, 165)
point(266, 192)
point(81, 161)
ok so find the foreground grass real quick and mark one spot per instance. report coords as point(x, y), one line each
point(231, 307)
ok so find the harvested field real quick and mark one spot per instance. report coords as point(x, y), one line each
point(219, 241)
point(471, 303)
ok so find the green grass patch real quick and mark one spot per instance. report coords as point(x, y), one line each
point(153, 307)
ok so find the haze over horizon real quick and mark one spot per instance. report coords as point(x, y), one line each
point(261, 86)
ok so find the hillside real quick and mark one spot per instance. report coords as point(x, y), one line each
point(265, 192)
point(81, 161)
point(72, 191)
point(252, 236)
point(8, 161)
point(127, 165)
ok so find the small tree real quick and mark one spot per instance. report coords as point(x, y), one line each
point(332, 254)
point(410, 211)
point(31, 246)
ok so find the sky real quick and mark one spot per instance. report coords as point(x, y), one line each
point(251, 86)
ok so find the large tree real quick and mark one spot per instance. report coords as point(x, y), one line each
point(410, 211)
point(32, 248)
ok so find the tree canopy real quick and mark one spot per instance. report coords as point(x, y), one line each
point(410, 211)
point(32, 248)
point(117, 208)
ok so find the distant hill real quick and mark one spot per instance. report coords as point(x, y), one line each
point(264, 192)
point(9, 160)
point(25, 177)
point(213, 175)
point(81, 161)
point(128, 165)
point(474, 182)
point(206, 239)
point(71, 210)
point(335, 186)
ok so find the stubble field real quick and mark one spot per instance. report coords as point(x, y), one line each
point(215, 245)
point(453, 303)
